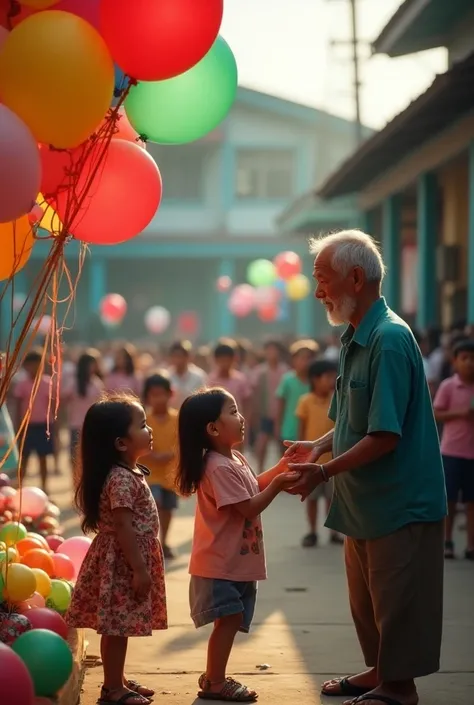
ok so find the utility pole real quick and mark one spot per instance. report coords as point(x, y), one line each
point(355, 43)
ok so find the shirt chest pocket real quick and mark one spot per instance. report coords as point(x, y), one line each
point(358, 406)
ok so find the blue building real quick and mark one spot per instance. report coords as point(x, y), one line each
point(222, 196)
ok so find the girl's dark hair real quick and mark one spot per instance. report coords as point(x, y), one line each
point(83, 372)
point(197, 411)
point(158, 379)
point(106, 420)
point(128, 353)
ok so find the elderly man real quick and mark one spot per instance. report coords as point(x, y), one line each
point(389, 495)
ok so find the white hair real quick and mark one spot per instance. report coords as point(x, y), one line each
point(352, 248)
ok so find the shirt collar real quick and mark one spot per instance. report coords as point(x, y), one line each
point(362, 333)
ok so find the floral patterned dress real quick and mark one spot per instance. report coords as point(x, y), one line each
point(103, 598)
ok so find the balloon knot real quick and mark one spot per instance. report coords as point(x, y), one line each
point(143, 138)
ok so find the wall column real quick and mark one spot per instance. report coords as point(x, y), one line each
point(97, 283)
point(391, 247)
point(225, 320)
point(470, 238)
point(305, 314)
point(427, 224)
point(367, 222)
point(20, 286)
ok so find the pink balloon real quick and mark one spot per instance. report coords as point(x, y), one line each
point(32, 500)
point(266, 296)
point(54, 542)
point(36, 601)
point(223, 283)
point(188, 322)
point(63, 566)
point(87, 9)
point(124, 197)
point(8, 493)
point(20, 167)
point(242, 300)
point(288, 264)
point(76, 549)
point(113, 308)
point(16, 685)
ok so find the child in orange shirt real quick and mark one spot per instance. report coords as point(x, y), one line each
point(312, 413)
point(163, 420)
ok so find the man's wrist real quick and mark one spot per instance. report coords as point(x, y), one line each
point(324, 473)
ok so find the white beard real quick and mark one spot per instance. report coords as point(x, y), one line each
point(341, 312)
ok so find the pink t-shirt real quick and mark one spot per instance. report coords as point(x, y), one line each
point(226, 545)
point(78, 406)
point(120, 382)
point(39, 412)
point(236, 384)
point(457, 438)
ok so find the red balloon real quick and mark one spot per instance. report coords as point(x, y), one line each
point(16, 685)
point(152, 40)
point(113, 307)
point(58, 166)
point(288, 264)
point(123, 199)
point(44, 618)
point(125, 131)
point(188, 322)
point(268, 313)
point(54, 541)
point(87, 9)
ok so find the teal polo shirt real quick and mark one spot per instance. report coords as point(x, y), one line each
point(382, 386)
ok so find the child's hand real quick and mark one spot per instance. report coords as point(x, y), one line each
point(141, 584)
point(287, 479)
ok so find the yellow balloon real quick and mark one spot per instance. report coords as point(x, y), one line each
point(57, 75)
point(298, 287)
point(50, 220)
point(39, 4)
point(43, 581)
point(20, 582)
point(16, 243)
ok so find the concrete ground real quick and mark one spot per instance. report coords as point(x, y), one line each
point(302, 628)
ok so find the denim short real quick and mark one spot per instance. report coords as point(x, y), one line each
point(165, 499)
point(267, 426)
point(38, 441)
point(212, 598)
point(459, 476)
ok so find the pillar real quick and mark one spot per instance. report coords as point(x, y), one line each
point(97, 282)
point(225, 320)
point(427, 225)
point(470, 239)
point(19, 286)
point(367, 222)
point(305, 308)
point(391, 247)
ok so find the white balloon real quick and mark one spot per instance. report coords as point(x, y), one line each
point(157, 319)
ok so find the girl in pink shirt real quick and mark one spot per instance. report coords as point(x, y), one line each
point(124, 376)
point(227, 557)
point(80, 392)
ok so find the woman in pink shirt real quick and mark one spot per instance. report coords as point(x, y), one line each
point(124, 375)
point(80, 392)
point(227, 557)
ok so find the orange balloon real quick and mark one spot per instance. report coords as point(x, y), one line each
point(16, 243)
point(38, 537)
point(28, 544)
point(39, 558)
point(63, 566)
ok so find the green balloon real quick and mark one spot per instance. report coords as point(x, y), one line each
point(48, 659)
point(185, 108)
point(59, 598)
point(12, 531)
point(261, 272)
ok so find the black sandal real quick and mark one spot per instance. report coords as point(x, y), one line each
point(136, 686)
point(346, 688)
point(123, 700)
point(368, 697)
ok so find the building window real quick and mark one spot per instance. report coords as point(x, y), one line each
point(265, 174)
point(182, 170)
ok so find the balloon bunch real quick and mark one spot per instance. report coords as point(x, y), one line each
point(84, 84)
point(37, 573)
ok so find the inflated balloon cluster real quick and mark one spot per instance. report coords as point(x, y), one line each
point(83, 85)
point(270, 286)
point(38, 568)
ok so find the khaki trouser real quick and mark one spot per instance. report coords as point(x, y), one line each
point(396, 599)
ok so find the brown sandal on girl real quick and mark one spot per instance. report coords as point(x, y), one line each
point(139, 688)
point(232, 691)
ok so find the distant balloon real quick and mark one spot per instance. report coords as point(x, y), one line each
point(157, 319)
point(223, 284)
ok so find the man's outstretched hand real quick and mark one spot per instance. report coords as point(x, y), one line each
point(301, 451)
point(301, 457)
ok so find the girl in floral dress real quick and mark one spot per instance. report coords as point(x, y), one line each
point(227, 557)
point(120, 590)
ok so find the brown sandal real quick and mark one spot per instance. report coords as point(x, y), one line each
point(125, 699)
point(232, 691)
point(139, 688)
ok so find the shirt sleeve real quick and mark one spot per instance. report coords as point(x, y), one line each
point(228, 486)
point(442, 398)
point(391, 391)
point(122, 489)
